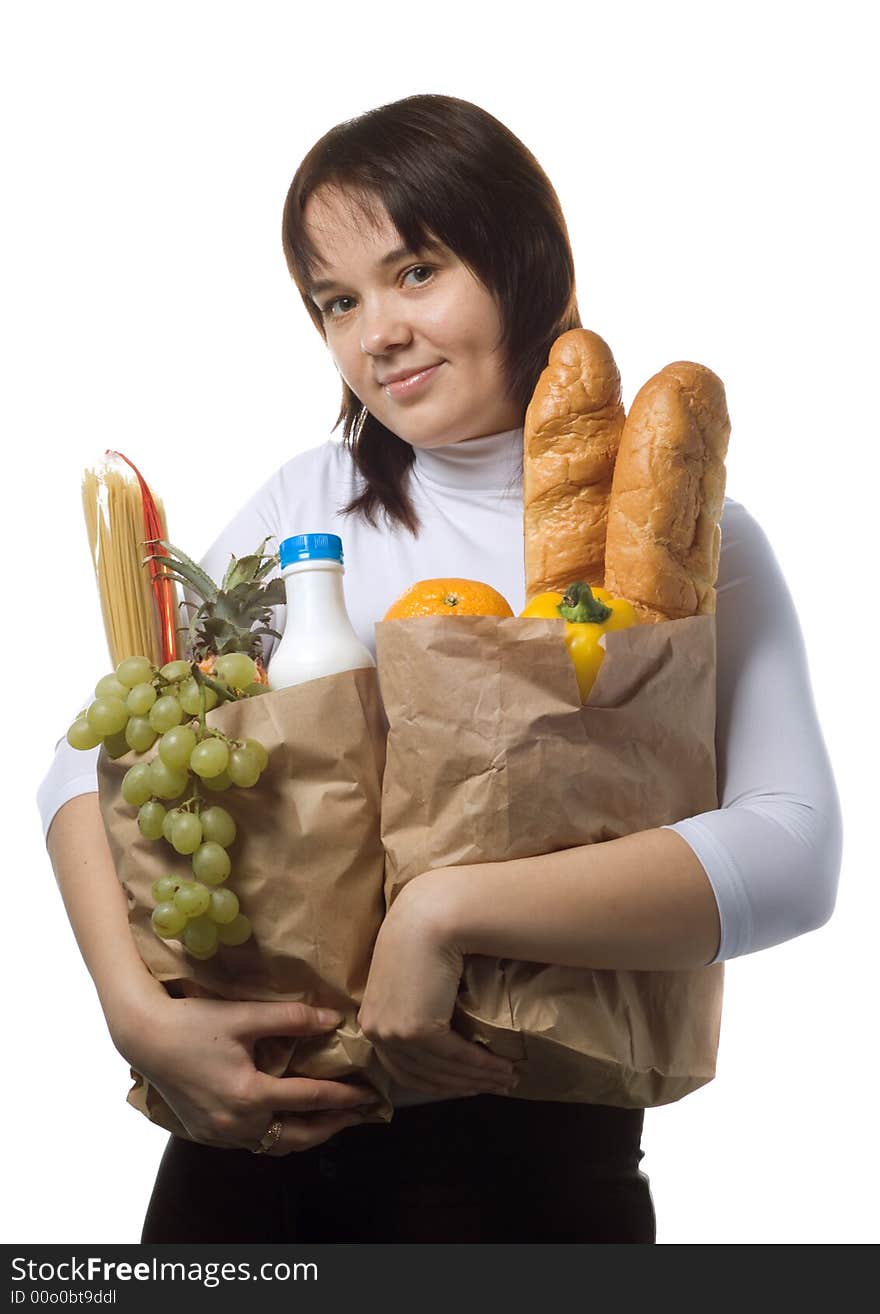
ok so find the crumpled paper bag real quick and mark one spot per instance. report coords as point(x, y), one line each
point(307, 866)
point(490, 756)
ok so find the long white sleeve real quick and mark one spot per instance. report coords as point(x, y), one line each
point(772, 850)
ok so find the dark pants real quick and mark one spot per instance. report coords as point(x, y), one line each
point(480, 1169)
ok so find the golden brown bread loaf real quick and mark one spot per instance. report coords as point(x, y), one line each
point(663, 539)
point(571, 434)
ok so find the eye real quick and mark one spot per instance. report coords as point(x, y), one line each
point(425, 269)
point(327, 309)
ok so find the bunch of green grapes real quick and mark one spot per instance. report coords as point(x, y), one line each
point(138, 705)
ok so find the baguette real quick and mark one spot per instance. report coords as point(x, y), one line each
point(663, 538)
point(571, 435)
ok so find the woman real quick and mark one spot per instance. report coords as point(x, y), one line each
point(430, 251)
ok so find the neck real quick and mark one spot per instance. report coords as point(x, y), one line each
point(492, 463)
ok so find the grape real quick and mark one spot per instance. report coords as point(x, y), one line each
point(200, 937)
point(192, 899)
point(167, 920)
point(139, 734)
point(252, 690)
point(168, 821)
point(236, 669)
point(107, 715)
point(209, 758)
point(258, 751)
point(150, 819)
point(223, 906)
point(186, 833)
point(164, 889)
point(202, 956)
point(165, 713)
point(116, 745)
point(191, 700)
point(210, 863)
point(140, 699)
point(174, 671)
point(244, 767)
point(134, 670)
point(167, 783)
point(176, 746)
point(234, 932)
point(109, 687)
point(137, 785)
point(81, 735)
point(217, 783)
point(218, 825)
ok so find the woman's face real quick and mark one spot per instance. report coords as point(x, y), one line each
point(390, 312)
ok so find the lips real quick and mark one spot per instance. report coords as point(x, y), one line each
point(406, 374)
point(406, 385)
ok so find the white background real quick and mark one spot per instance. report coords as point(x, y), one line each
point(714, 168)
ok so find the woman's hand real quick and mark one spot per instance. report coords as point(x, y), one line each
point(198, 1053)
point(408, 1003)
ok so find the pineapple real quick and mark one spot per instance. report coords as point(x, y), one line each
point(225, 617)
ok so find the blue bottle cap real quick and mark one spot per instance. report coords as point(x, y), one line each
point(310, 547)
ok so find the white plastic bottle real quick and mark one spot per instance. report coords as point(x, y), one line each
point(319, 639)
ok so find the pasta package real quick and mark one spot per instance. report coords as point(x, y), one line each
point(123, 517)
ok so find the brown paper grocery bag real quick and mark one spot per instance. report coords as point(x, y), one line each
point(307, 866)
point(490, 756)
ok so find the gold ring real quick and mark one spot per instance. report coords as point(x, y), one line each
point(268, 1139)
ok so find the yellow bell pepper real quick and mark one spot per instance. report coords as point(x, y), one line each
point(588, 613)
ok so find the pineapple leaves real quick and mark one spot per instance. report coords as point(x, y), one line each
point(250, 569)
point(191, 572)
point(234, 617)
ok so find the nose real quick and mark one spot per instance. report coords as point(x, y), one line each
point(384, 327)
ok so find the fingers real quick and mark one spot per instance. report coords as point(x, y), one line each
point(288, 1019)
point(297, 1102)
point(307, 1131)
point(303, 1095)
point(448, 1064)
point(415, 1077)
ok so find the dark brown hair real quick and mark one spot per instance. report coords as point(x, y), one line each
point(443, 169)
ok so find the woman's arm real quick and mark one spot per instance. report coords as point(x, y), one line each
point(641, 902)
point(96, 907)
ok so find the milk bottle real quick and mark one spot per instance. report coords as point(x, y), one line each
point(319, 639)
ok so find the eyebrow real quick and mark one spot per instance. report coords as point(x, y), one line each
point(391, 258)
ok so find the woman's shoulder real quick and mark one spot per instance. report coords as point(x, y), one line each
point(325, 468)
point(732, 510)
point(748, 558)
point(312, 461)
point(739, 527)
point(304, 487)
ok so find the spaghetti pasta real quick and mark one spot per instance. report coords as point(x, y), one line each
point(114, 511)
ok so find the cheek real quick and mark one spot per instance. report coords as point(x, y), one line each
point(343, 357)
point(464, 328)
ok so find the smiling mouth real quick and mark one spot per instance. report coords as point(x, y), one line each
point(401, 387)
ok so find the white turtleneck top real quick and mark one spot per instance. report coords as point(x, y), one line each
point(772, 849)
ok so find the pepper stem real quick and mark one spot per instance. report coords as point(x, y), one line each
point(579, 605)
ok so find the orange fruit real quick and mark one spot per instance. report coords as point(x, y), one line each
point(448, 597)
